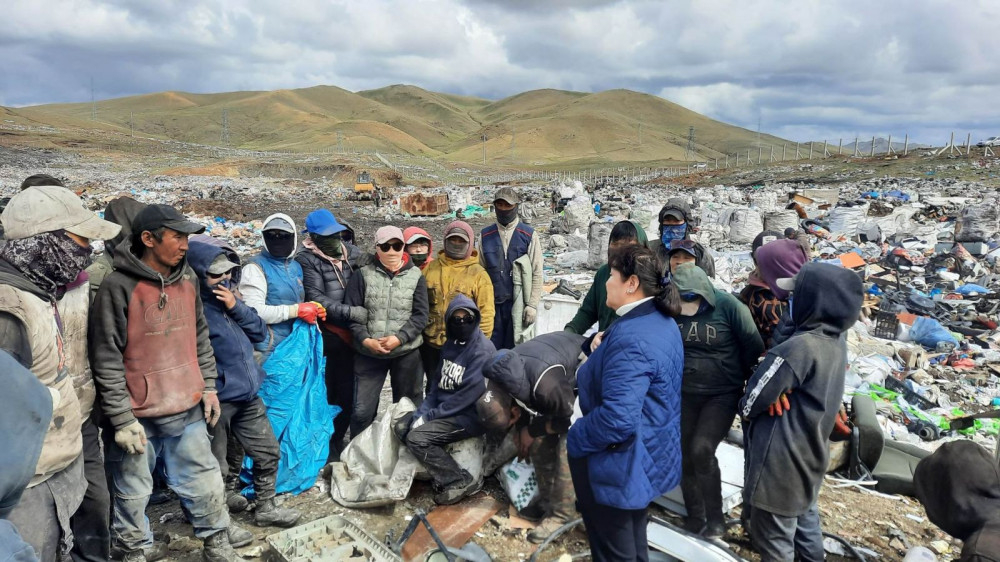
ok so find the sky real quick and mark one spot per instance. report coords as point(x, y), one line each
point(804, 70)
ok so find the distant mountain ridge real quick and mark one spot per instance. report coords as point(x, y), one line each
point(531, 128)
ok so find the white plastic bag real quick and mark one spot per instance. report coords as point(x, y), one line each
point(518, 480)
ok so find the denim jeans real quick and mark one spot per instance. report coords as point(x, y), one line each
point(192, 473)
point(779, 539)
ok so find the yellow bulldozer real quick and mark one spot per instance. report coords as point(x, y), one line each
point(365, 187)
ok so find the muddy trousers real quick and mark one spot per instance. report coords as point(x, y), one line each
point(406, 376)
point(780, 539)
point(91, 523)
point(339, 386)
point(247, 422)
point(192, 473)
point(555, 484)
point(42, 516)
point(427, 444)
point(705, 421)
point(615, 535)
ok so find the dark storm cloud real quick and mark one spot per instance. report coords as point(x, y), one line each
point(811, 70)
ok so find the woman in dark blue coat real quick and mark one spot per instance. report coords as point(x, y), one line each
point(625, 449)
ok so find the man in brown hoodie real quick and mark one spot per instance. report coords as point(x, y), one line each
point(155, 372)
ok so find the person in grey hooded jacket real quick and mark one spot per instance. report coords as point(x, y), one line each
point(787, 455)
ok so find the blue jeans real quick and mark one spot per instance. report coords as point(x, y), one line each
point(192, 473)
point(778, 539)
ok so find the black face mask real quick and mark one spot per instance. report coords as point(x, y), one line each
point(331, 245)
point(507, 217)
point(418, 259)
point(460, 329)
point(279, 243)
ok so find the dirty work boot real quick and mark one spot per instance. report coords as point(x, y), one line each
point(218, 549)
point(236, 502)
point(134, 556)
point(694, 525)
point(268, 514)
point(544, 529)
point(155, 552)
point(456, 491)
point(238, 537)
point(714, 531)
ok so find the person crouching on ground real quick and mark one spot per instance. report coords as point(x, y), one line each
point(625, 450)
point(394, 294)
point(449, 413)
point(234, 328)
point(540, 374)
point(787, 455)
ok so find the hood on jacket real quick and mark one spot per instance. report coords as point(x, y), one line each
point(295, 232)
point(202, 251)
point(777, 260)
point(640, 234)
point(412, 233)
point(826, 298)
point(25, 412)
point(121, 211)
point(507, 370)
point(959, 486)
point(679, 204)
point(689, 278)
point(462, 301)
point(464, 227)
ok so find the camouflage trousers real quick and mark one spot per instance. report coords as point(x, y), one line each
point(555, 485)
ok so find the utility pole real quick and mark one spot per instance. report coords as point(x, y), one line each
point(640, 134)
point(513, 136)
point(484, 149)
point(690, 146)
point(93, 101)
point(131, 122)
point(340, 142)
point(225, 127)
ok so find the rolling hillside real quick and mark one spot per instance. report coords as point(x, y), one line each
point(538, 127)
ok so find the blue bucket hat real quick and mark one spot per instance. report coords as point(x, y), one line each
point(322, 222)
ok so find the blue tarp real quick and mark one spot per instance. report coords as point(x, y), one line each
point(295, 395)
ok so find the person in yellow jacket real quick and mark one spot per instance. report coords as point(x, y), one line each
point(455, 271)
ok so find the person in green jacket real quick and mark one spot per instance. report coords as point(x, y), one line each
point(593, 308)
point(721, 348)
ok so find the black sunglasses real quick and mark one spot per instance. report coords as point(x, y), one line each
point(216, 275)
point(468, 319)
point(394, 246)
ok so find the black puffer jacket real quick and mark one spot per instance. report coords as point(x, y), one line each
point(541, 374)
point(326, 284)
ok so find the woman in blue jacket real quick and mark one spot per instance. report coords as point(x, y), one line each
point(625, 450)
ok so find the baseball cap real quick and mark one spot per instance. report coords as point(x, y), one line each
point(156, 216)
point(674, 213)
point(221, 264)
point(509, 195)
point(278, 223)
point(387, 233)
point(688, 246)
point(786, 283)
point(458, 232)
point(323, 223)
point(48, 208)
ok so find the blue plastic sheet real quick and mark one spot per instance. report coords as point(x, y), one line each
point(970, 288)
point(295, 395)
point(928, 332)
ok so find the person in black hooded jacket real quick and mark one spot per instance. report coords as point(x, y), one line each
point(787, 455)
point(448, 413)
point(540, 374)
point(959, 486)
point(676, 224)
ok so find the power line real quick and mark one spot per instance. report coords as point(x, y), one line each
point(690, 147)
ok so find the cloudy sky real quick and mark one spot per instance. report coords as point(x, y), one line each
point(808, 70)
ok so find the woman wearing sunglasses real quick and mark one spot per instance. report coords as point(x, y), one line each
point(392, 293)
point(721, 347)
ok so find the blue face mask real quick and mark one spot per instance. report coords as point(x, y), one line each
point(670, 233)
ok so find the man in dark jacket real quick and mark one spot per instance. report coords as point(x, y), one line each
point(121, 211)
point(389, 311)
point(48, 246)
point(959, 486)
point(676, 224)
point(449, 412)
point(327, 269)
point(233, 329)
point(787, 455)
point(540, 374)
point(155, 372)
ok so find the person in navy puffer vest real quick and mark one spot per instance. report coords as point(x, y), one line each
point(233, 329)
point(625, 450)
point(500, 245)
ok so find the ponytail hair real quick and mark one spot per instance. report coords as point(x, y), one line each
point(643, 263)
